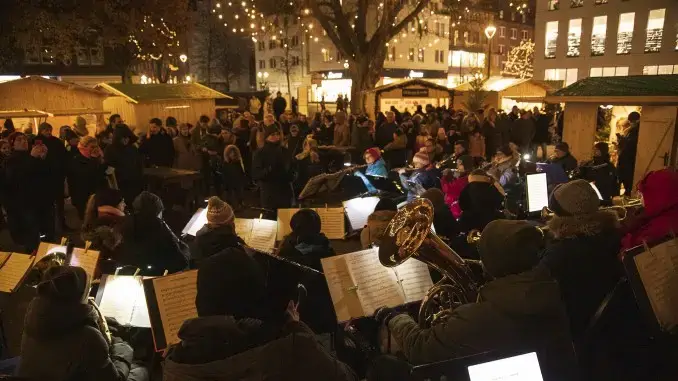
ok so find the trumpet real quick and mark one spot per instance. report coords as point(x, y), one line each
point(621, 210)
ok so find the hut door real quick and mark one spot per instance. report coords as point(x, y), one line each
point(656, 140)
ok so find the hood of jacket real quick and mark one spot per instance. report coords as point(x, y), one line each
point(564, 227)
point(659, 191)
point(46, 319)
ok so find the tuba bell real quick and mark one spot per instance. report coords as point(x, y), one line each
point(409, 235)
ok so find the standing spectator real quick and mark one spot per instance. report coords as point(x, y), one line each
point(185, 156)
point(279, 105)
point(476, 144)
point(198, 132)
point(342, 131)
point(323, 107)
point(172, 126)
point(284, 121)
point(628, 147)
point(515, 114)
point(295, 106)
point(340, 103)
point(523, 131)
point(80, 126)
point(86, 174)
point(489, 130)
point(271, 167)
point(157, 147)
point(541, 136)
point(384, 133)
point(71, 140)
point(7, 128)
point(56, 161)
point(294, 142)
point(113, 121)
point(234, 176)
point(125, 158)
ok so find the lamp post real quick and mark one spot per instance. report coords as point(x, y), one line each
point(489, 33)
point(263, 77)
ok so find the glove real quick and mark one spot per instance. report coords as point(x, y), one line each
point(384, 314)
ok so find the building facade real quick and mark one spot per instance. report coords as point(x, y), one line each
point(576, 39)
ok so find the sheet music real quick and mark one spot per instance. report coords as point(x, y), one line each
point(537, 192)
point(377, 285)
point(284, 218)
point(176, 301)
point(358, 209)
point(243, 228)
point(88, 260)
point(658, 270)
point(3, 257)
point(124, 299)
point(196, 223)
point(342, 288)
point(415, 279)
point(332, 220)
point(46, 248)
point(263, 235)
point(14, 270)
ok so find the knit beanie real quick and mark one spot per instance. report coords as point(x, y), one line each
point(374, 152)
point(562, 146)
point(574, 198)
point(421, 157)
point(148, 203)
point(229, 283)
point(270, 130)
point(64, 284)
point(219, 212)
point(509, 247)
point(306, 223)
point(107, 197)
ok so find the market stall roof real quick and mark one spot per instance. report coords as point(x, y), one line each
point(499, 83)
point(136, 93)
point(10, 114)
point(68, 85)
point(611, 90)
point(411, 82)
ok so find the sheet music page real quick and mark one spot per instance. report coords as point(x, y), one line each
point(657, 270)
point(263, 235)
point(243, 228)
point(377, 285)
point(342, 288)
point(415, 279)
point(284, 218)
point(537, 192)
point(196, 223)
point(3, 257)
point(123, 299)
point(14, 270)
point(358, 209)
point(332, 220)
point(88, 260)
point(46, 248)
point(176, 301)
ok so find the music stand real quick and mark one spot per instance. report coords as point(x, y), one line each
point(322, 183)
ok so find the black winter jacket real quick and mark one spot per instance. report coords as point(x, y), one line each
point(211, 240)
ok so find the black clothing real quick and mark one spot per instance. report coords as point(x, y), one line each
point(128, 169)
point(626, 165)
point(384, 134)
point(279, 106)
point(480, 203)
point(271, 167)
point(158, 150)
point(307, 252)
point(211, 240)
point(85, 177)
point(542, 133)
point(567, 162)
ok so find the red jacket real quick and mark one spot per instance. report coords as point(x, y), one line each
point(452, 190)
point(661, 209)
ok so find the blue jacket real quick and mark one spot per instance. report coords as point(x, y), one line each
point(378, 168)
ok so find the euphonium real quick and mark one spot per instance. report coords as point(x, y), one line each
point(409, 235)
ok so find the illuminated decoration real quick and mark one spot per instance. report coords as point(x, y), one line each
point(416, 74)
point(183, 58)
point(574, 38)
point(576, 3)
point(519, 61)
point(598, 35)
point(625, 33)
point(490, 31)
point(332, 75)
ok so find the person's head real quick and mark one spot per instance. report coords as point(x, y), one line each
point(460, 147)
point(278, 94)
point(386, 204)
point(634, 117)
point(71, 138)
point(525, 114)
point(214, 127)
point(421, 160)
point(226, 135)
point(535, 110)
point(302, 118)
point(8, 125)
point(272, 134)
point(148, 205)
point(65, 285)
point(520, 238)
point(184, 130)
point(154, 126)
point(203, 121)
point(398, 133)
point(492, 115)
point(390, 117)
point(602, 150)
point(623, 124)
point(5, 148)
point(442, 137)
point(504, 152)
point(283, 118)
point(269, 119)
point(171, 121)
point(89, 147)
point(247, 115)
point(340, 117)
point(114, 120)
point(294, 130)
point(576, 211)
point(18, 141)
point(465, 164)
point(45, 130)
point(230, 283)
point(436, 196)
point(219, 212)
point(122, 135)
point(515, 110)
point(475, 133)
point(232, 153)
point(657, 191)
point(305, 224)
point(372, 155)
point(562, 149)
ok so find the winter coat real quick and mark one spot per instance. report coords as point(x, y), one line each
point(568, 162)
point(306, 168)
point(661, 209)
point(480, 203)
point(85, 177)
point(583, 259)
point(211, 240)
point(542, 134)
point(398, 143)
point(452, 190)
point(307, 252)
point(604, 175)
point(185, 154)
point(476, 146)
point(384, 134)
point(28, 181)
point(220, 348)
point(62, 342)
point(361, 138)
point(376, 225)
point(493, 138)
point(294, 145)
point(504, 173)
point(279, 105)
point(271, 167)
point(158, 150)
point(517, 313)
point(126, 160)
point(378, 168)
point(233, 171)
point(197, 134)
point(342, 135)
point(522, 132)
point(628, 147)
point(56, 160)
point(419, 181)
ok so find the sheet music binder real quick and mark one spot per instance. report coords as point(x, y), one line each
point(105, 282)
point(358, 210)
point(285, 216)
point(656, 293)
point(23, 263)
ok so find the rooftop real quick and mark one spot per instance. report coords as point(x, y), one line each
point(162, 91)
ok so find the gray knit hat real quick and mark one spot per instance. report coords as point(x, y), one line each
point(219, 212)
point(574, 198)
point(509, 247)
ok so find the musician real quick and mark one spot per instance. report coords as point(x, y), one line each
point(229, 340)
point(582, 257)
point(377, 222)
point(306, 245)
point(63, 339)
point(519, 310)
point(423, 177)
point(602, 173)
point(443, 221)
point(86, 172)
point(272, 169)
point(375, 163)
point(660, 218)
point(563, 157)
point(104, 221)
point(481, 201)
point(217, 235)
point(454, 182)
point(503, 167)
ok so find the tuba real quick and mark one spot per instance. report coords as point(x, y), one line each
point(409, 235)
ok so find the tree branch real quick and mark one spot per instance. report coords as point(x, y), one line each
point(396, 29)
point(343, 44)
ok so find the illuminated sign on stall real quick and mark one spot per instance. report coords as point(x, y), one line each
point(416, 74)
point(332, 75)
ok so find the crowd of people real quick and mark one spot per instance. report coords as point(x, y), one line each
point(540, 294)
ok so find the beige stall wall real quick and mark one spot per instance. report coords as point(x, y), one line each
point(655, 140)
point(579, 129)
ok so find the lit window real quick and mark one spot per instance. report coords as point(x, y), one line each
point(326, 55)
point(501, 49)
point(420, 55)
point(554, 5)
point(551, 39)
point(608, 72)
point(650, 70)
point(622, 71)
point(501, 14)
point(411, 55)
point(625, 33)
point(502, 31)
point(574, 38)
point(576, 3)
point(514, 33)
point(596, 72)
point(392, 53)
point(598, 35)
point(525, 35)
point(571, 76)
point(567, 75)
point(272, 63)
point(601, 2)
point(655, 30)
point(665, 69)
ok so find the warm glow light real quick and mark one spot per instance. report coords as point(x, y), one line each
point(183, 58)
point(490, 31)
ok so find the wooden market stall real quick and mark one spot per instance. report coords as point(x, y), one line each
point(139, 103)
point(32, 100)
point(656, 96)
point(504, 93)
point(406, 95)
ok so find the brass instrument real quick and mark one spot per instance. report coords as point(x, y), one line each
point(111, 179)
point(443, 162)
point(473, 237)
point(409, 235)
point(408, 168)
point(621, 210)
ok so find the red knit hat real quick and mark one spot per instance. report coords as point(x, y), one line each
point(374, 152)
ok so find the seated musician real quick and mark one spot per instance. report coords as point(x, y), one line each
point(503, 169)
point(307, 163)
point(519, 310)
point(481, 201)
point(563, 157)
point(229, 340)
point(377, 222)
point(433, 149)
point(423, 177)
point(660, 218)
point(104, 221)
point(375, 163)
point(217, 235)
point(63, 339)
point(306, 245)
point(454, 182)
point(582, 257)
point(602, 172)
point(443, 221)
